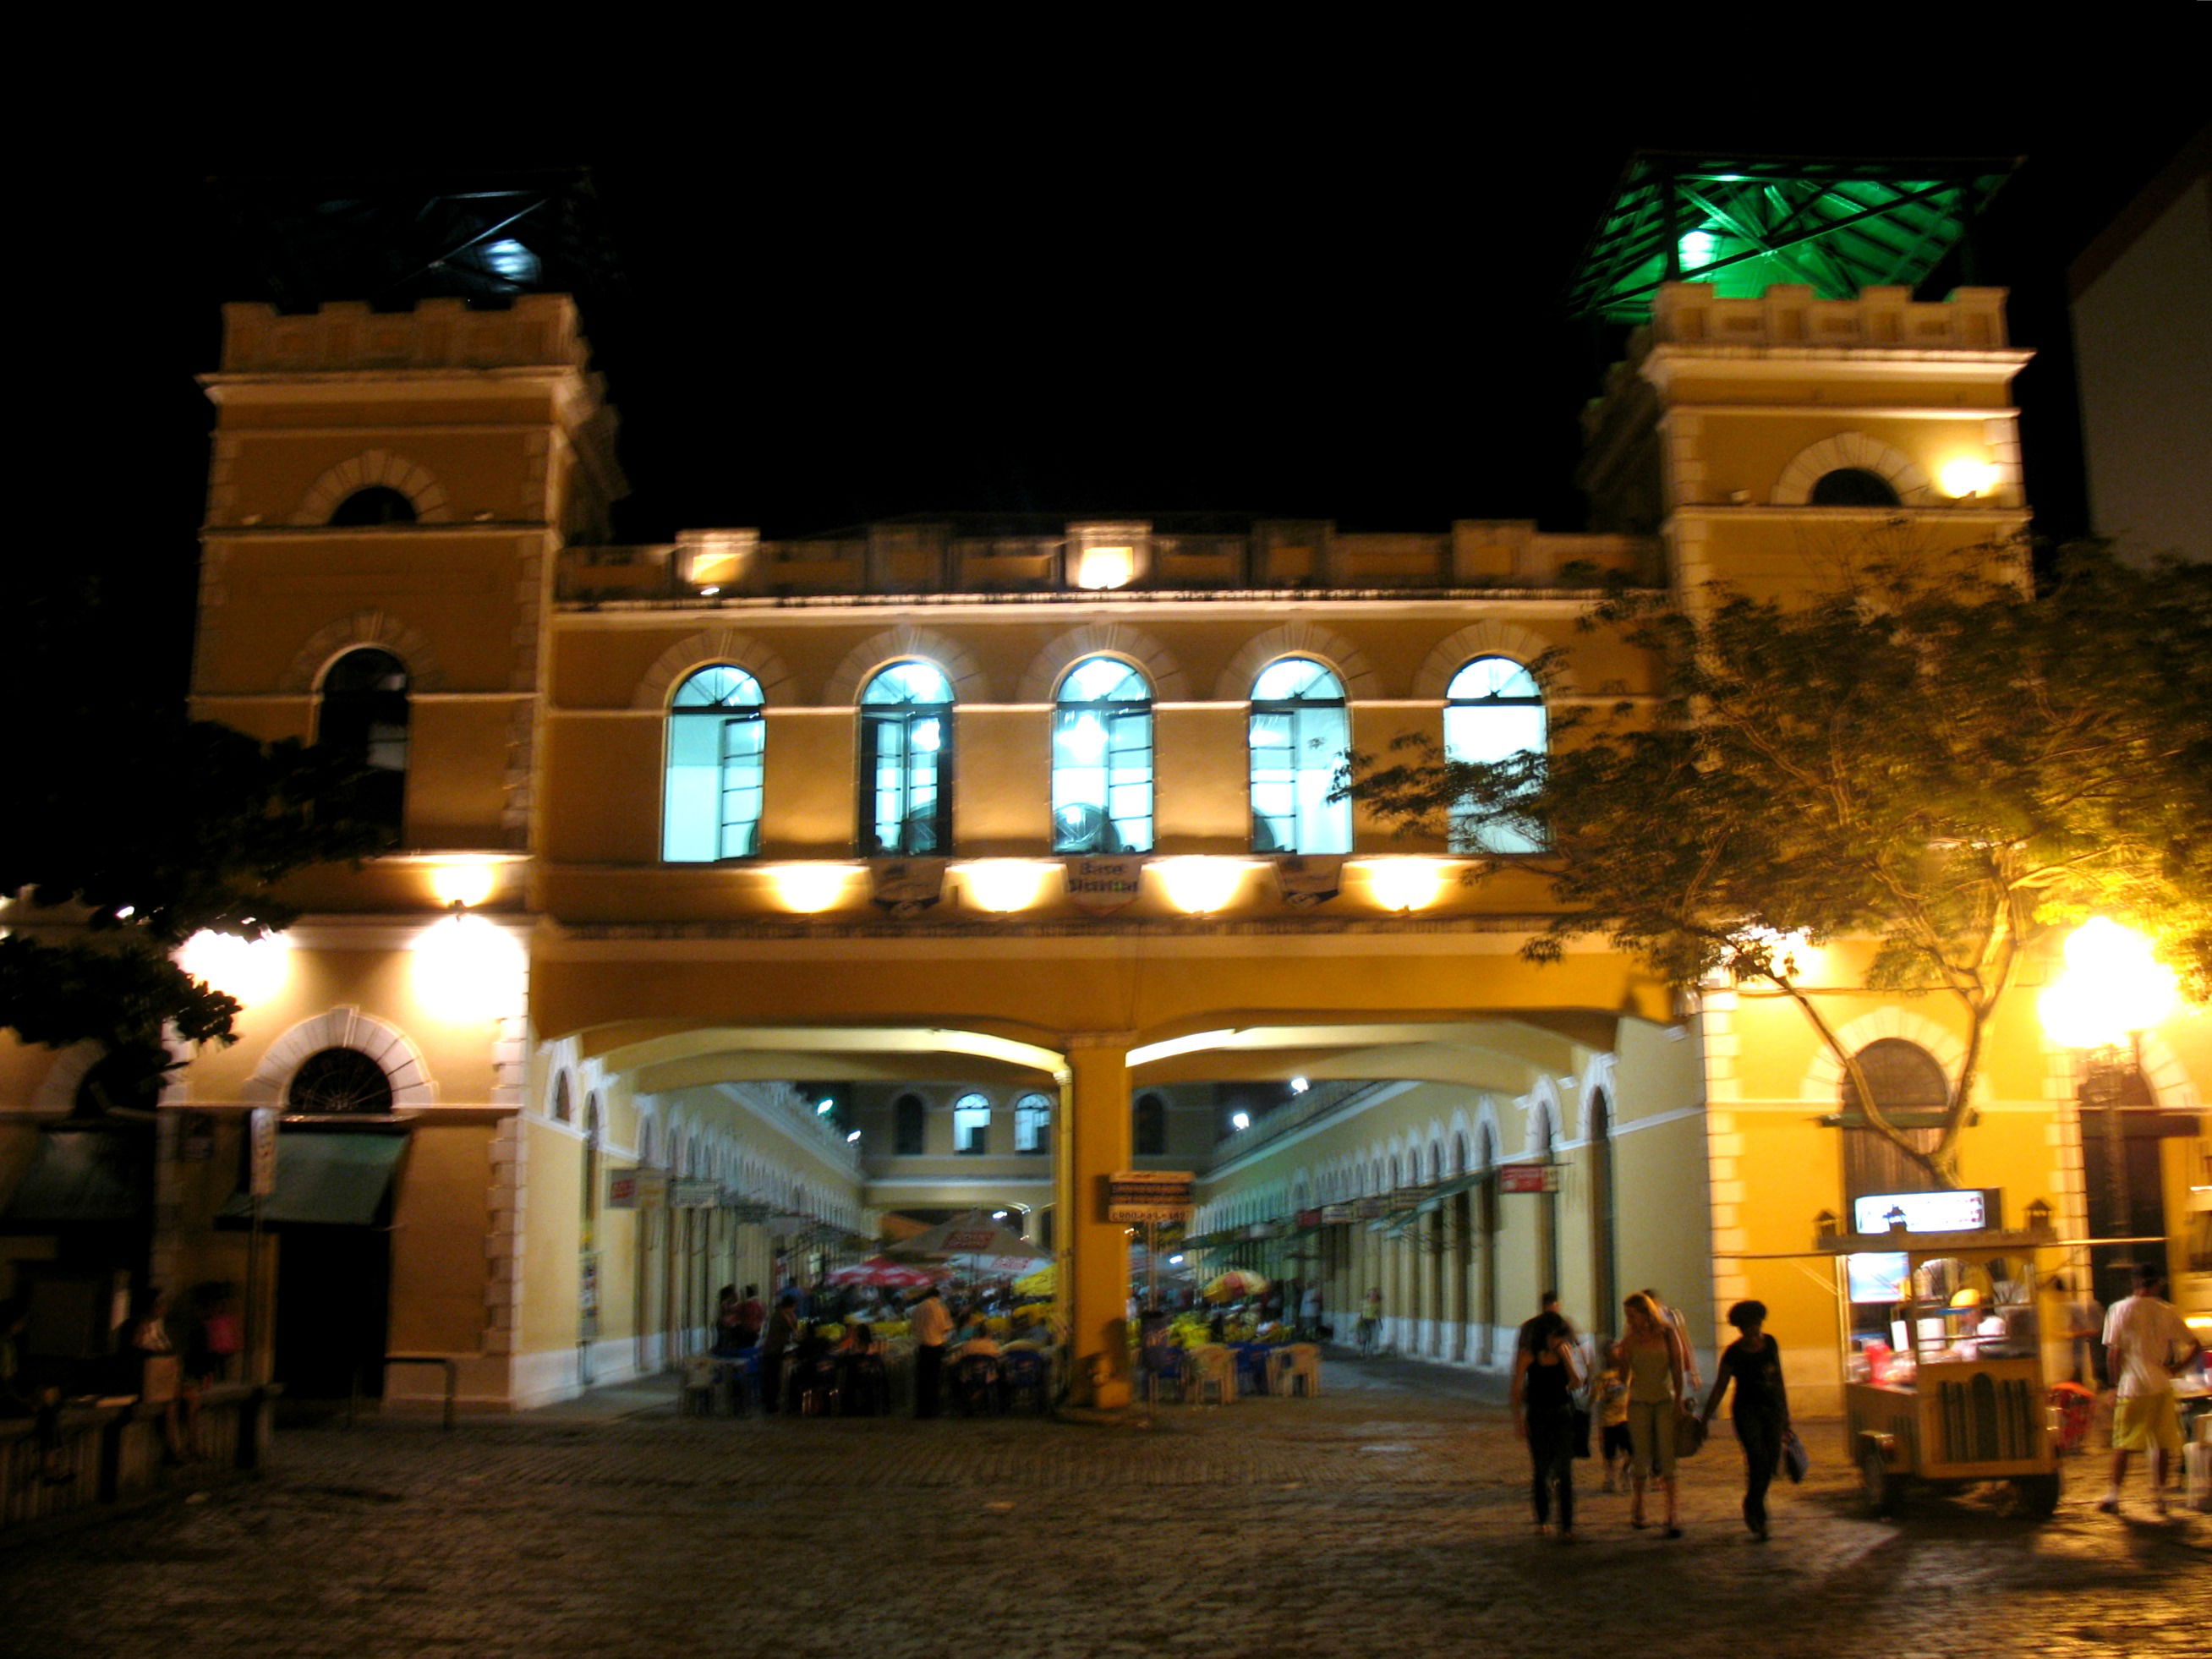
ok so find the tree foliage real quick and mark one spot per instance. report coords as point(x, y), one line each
point(1929, 758)
point(133, 828)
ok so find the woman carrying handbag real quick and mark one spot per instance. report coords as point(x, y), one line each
point(1754, 1362)
point(1651, 1360)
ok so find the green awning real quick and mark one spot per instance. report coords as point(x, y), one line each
point(326, 1177)
point(83, 1176)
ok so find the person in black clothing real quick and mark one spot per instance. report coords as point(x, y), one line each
point(776, 1343)
point(1546, 1370)
point(1754, 1362)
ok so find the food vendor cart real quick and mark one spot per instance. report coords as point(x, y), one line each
point(1943, 1367)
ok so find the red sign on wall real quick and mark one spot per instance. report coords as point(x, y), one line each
point(1527, 1177)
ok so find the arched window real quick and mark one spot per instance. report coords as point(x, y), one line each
point(711, 808)
point(1493, 716)
point(562, 1108)
point(1102, 760)
point(1853, 486)
point(364, 716)
point(374, 505)
point(1032, 1123)
point(1604, 1229)
point(971, 1125)
point(1151, 1132)
point(337, 1081)
point(1300, 731)
point(1910, 1086)
point(909, 1125)
point(906, 763)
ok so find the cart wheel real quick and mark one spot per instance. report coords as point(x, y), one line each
point(1879, 1486)
point(2038, 1494)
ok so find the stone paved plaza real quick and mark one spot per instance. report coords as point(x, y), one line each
point(1389, 1516)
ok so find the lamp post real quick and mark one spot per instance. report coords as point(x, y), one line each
point(2111, 991)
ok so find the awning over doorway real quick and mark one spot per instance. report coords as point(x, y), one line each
point(326, 1177)
point(83, 1175)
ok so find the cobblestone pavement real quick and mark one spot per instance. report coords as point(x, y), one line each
point(1389, 1515)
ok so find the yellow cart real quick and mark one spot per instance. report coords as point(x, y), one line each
point(1953, 1393)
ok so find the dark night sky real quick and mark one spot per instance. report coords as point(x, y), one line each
point(1355, 316)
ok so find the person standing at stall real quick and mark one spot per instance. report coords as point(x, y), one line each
point(1650, 1360)
point(1754, 1362)
point(2145, 1345)
point(775, 1347)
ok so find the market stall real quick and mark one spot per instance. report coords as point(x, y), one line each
point(1943, 1365)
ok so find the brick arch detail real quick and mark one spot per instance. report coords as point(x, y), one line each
point(707, 648)
point(1852, 449)
point(1041, 679)
point(379, 628)
point(372, 467)
point(902, 644)
point(1432, 679)
point(1822, 1084)
point(1299, 639)
point(393, 1051)
point(57, 1091)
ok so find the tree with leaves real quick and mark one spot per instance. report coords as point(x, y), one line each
point(1932, 758)
point(131, 829)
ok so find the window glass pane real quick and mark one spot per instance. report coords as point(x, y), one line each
point(971, 1124)
point(1494, 713)
point(1032, 1122)
point(908, 682)
point(1102, 760)
point(906, 720)
point(1299, 734)
point(711, 798)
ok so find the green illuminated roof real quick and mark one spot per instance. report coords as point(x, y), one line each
point(1742, 225)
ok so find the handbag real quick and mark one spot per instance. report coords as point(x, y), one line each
point(1795, 1459)
point(1689, 1434)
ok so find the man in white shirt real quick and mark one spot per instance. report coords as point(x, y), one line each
point(2145, 1344)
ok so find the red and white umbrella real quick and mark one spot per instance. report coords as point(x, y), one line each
point(978, 1242)
point(882, 1273)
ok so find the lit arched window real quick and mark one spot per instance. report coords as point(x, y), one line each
point(364, 716)
point(906, 763)
point(1493, 716)
point(1032, 1123)
point(971, 1124)
point(711, 808)
point(1300, 732)
point(1102, 760)
point(377, 504)
point(337, 1081)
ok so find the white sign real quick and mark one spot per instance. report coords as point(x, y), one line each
point(261, 1125)
point(1924, 1212)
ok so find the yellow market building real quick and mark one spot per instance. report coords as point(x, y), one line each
point(745, 892)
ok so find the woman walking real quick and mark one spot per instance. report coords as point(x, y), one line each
point(1651, 1361)
point(1754, 1362)
point(1546, 1370)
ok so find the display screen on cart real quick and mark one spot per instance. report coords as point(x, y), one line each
point(1967, 1211)
point(1878, 1276)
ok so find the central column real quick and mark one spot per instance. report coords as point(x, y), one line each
point(1094, 1251)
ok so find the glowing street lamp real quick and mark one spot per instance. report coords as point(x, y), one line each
point(2111, 991)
